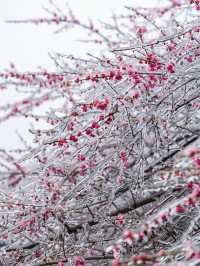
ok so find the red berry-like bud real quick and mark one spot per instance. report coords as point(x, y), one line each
point(73, 138)
point(180, 208)
point(171, 68)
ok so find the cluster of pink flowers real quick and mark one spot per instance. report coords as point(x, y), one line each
point(111, 156)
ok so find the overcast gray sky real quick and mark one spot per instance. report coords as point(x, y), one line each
point(28, 46)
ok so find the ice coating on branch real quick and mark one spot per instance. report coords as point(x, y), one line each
point(112, 176)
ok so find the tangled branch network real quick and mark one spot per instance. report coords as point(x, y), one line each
point(114, 177)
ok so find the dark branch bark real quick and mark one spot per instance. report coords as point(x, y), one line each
point(30, 246)
point(86, 259)
point(169, 155)
point(125, 208)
